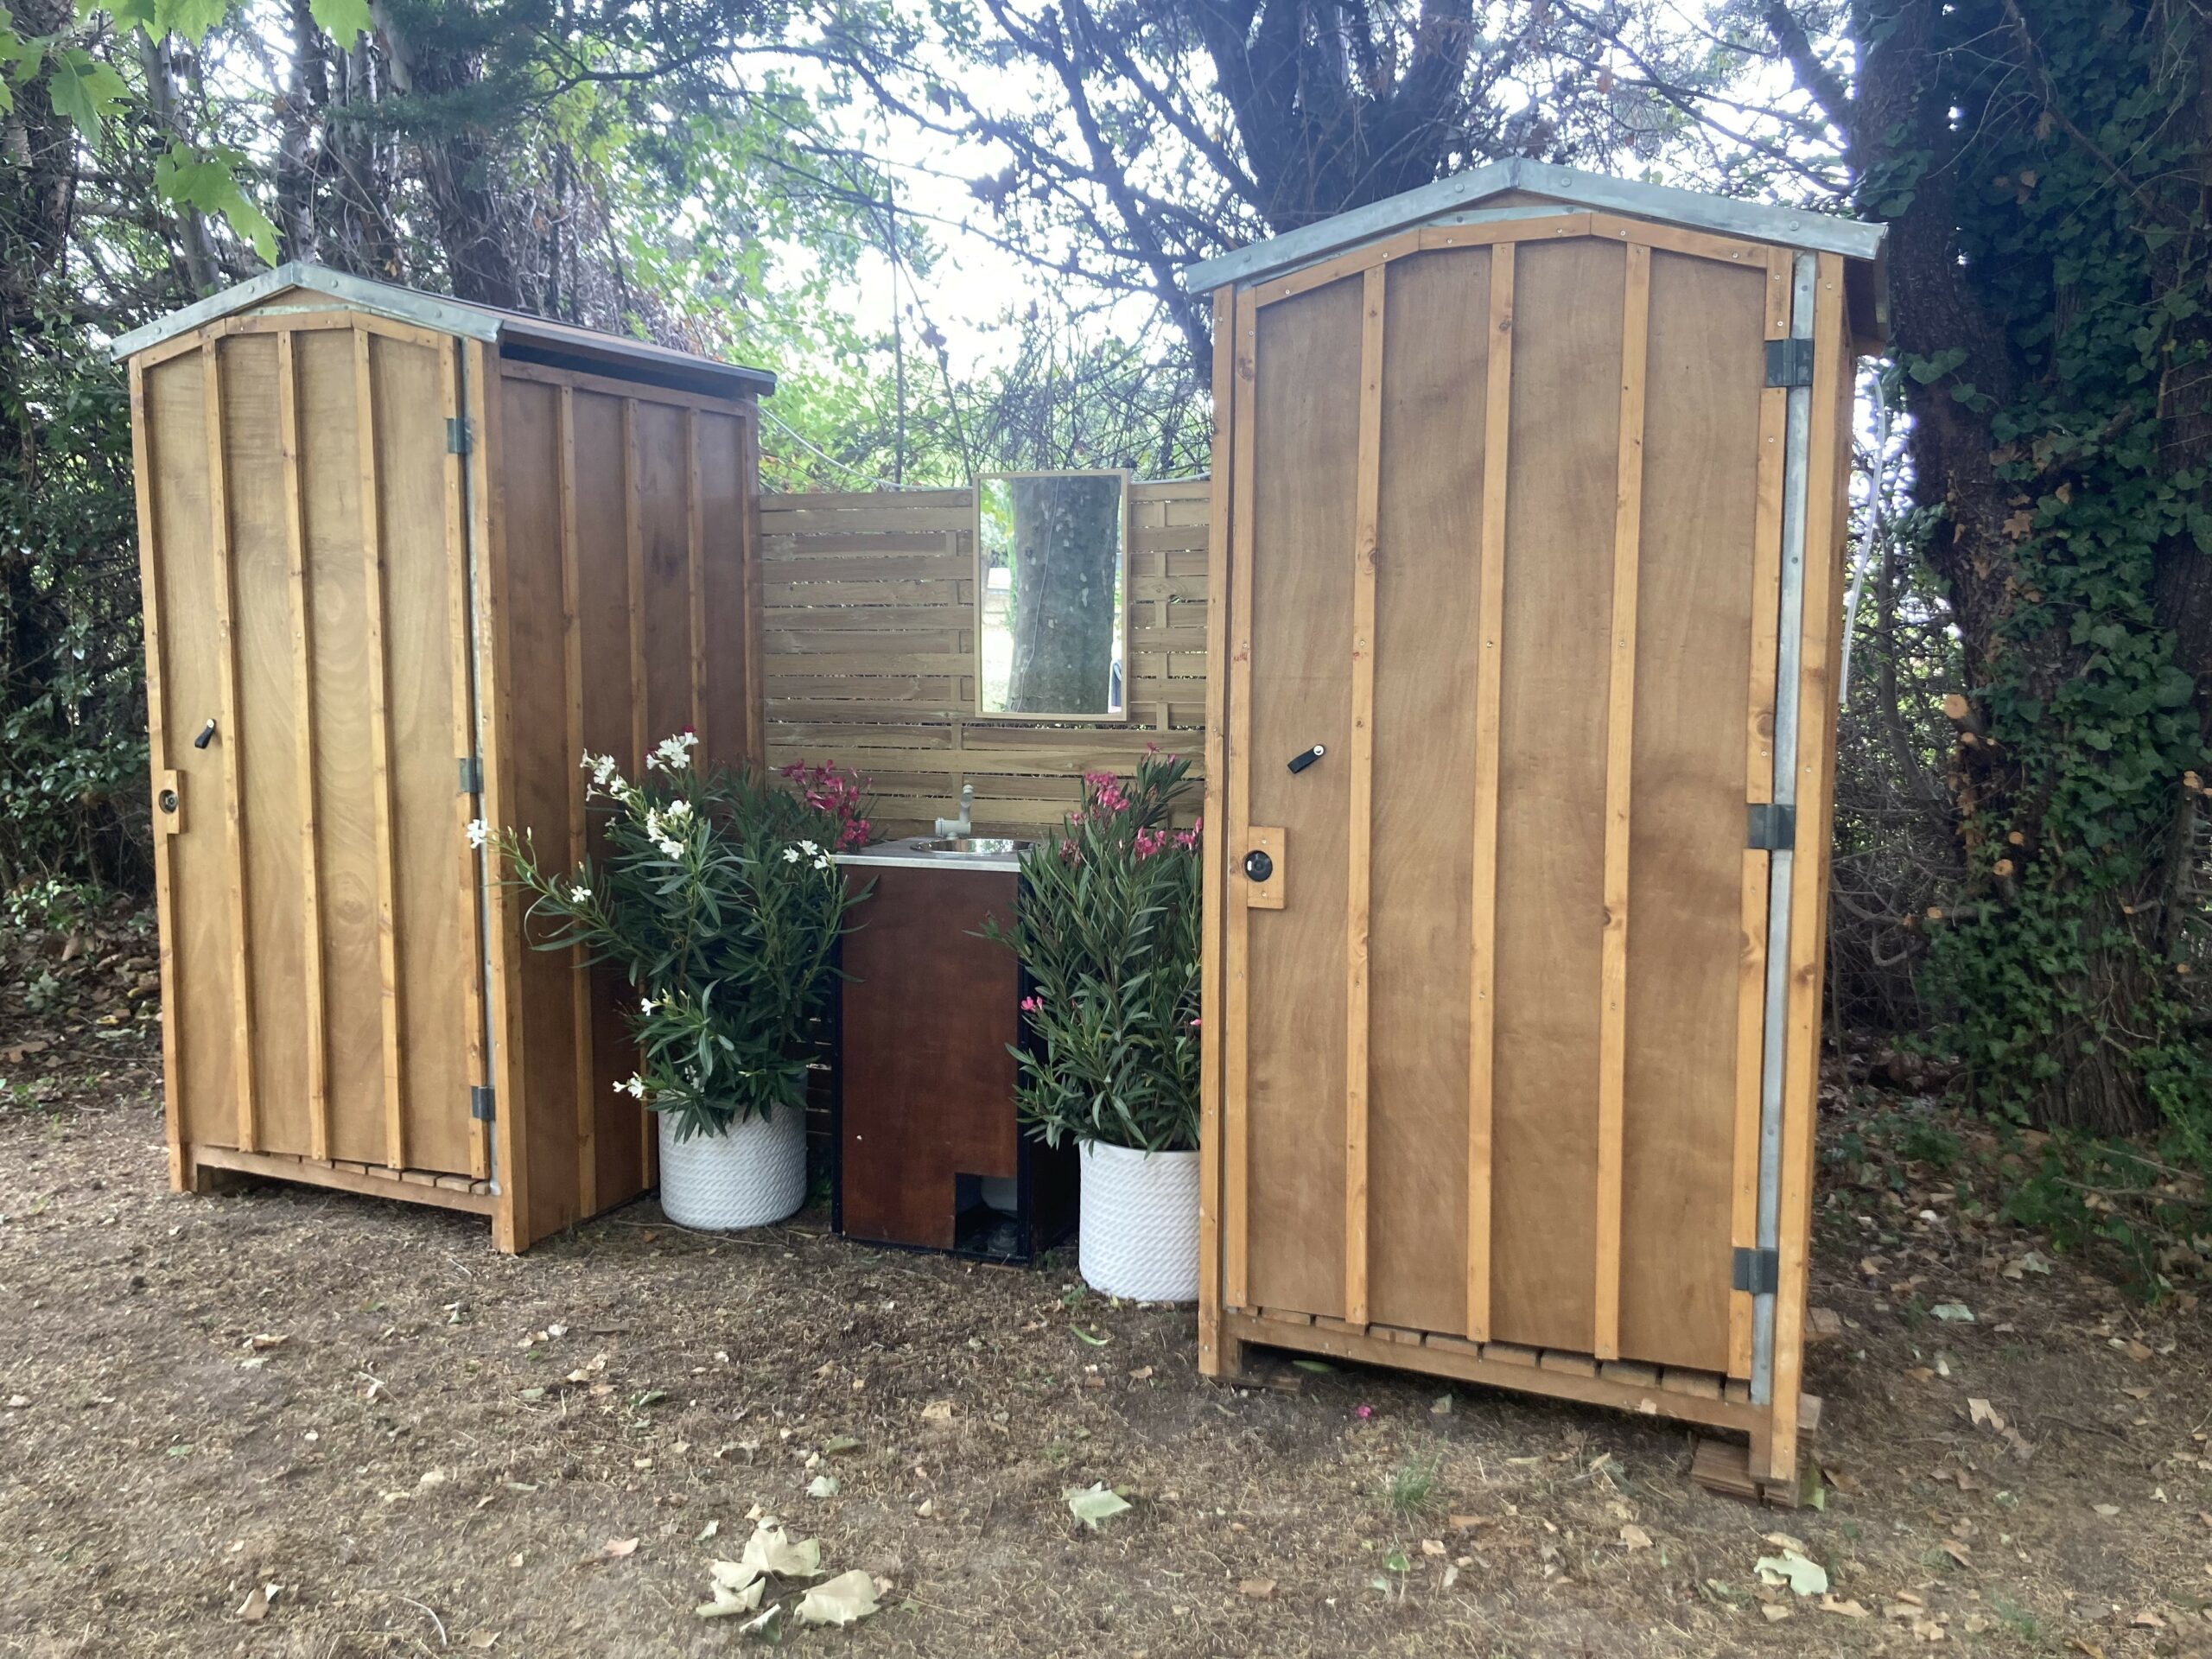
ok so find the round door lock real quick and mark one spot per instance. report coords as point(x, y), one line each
point(168, 799)
point(1258, 866)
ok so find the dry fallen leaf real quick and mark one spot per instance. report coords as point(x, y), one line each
point(1258, 1589)
point(938, 1411)
point(1774, 1611)
point(1848, 1609)
point(771, 1549)
point(846, 1599)
point(1636, 1537)
point(615, 1549)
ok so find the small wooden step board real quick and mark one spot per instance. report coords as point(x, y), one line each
point(1703, 1398)
point(1723, 1467)
point(443, 1190)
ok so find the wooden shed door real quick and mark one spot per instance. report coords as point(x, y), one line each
point(1505, 522)
point(307, 612)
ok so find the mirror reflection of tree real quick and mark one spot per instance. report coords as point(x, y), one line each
point(1067, 559)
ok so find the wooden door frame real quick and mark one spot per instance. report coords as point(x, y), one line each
point(1227, 1319)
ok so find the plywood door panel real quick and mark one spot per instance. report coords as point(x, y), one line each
point(338, 679)
point(1704, 374)
point(203, 1090)
point(1435, 362)
point(265, 746)
point(542, 1015)
point(1299, 687)
point(1559, 572)
point(410, 401)
point(603, 585)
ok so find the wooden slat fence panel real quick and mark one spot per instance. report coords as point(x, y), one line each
point(868, 650)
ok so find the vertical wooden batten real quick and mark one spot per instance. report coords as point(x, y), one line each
point(165, 819)
point(231, 737)
point(1497, 393)
point(1620, 759)
point(756, 694)
point(511, 1225)
point(314, 1010)
point(572, 632)
point(1360, 831)
point(467, 802)
point(1759, 783)
point(694, 570)
point(633, 539)
point(1236, 1151)
point(1213, 1359)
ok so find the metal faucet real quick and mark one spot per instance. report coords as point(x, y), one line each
point(960, 827)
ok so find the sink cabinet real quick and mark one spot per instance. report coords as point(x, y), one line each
point(929, 1153)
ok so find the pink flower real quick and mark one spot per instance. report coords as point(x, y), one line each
point(1033, 1005)
point(1363, 1412)
point(1194, 1025)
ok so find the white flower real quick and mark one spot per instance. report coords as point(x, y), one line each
point(670, 848)
point(820, 861)
point(790, 854)
point(671, 752)
point(677, 812)
point(645, 1005)
point(635, 1087)
point(603, 773)
point(809, 848)
point(479, 833)
point(580, 895)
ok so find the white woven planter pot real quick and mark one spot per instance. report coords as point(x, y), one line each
point(752, 1173)
point(1140, 1237)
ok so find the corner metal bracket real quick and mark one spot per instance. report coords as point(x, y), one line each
point(1757, 1272)
point(1769, 827)
point(1789, 361)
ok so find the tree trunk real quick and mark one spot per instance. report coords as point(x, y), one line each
point(1067, 562)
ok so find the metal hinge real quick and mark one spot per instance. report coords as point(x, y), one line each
point(481, 1105)
point(1758, 1271)
point(1789, 362)
point(1769, 828)
point(459, 436)
point(472, 775)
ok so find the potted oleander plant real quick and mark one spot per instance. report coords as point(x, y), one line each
point(1107, 931)
point(718, 896)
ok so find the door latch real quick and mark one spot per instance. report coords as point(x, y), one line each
point(206, 736)
point(1305, 758)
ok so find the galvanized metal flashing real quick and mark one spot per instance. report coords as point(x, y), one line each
point(459, 317)
point(1431, 203)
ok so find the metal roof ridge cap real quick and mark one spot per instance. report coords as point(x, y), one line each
point(431, 310)
point(1729, 215)
point(1342, 230)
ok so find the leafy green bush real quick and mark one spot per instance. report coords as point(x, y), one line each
point(1109, 929)
point(719, 899)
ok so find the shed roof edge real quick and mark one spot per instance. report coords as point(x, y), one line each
point(1725, 215)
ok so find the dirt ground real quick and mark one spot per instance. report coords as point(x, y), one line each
point(431, 1448)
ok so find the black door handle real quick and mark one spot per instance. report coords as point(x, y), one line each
point(206, 736)
point(1305, 758)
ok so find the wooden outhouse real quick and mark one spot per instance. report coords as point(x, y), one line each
point(1533, 486)
point(405, 559)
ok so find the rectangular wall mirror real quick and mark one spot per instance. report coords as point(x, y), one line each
point(1052, 574)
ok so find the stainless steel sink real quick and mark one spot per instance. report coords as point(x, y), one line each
point(972, 847)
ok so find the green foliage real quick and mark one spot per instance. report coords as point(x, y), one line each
point(72, 706)
point(1108, 930)
point(2070, 959)
point(209, 182)
point(717, 897)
